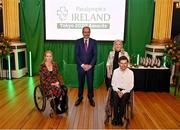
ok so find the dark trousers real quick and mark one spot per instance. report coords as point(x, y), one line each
point(119, 104)
point(81, 80)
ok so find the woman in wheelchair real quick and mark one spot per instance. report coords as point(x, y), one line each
point(122, 84)
point(52, 83)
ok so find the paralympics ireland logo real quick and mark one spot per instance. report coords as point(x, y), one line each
point(62, 13)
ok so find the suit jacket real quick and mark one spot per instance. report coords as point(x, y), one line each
point(88, 56)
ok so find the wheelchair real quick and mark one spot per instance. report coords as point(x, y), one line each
point(43, 100)
point(129, 109)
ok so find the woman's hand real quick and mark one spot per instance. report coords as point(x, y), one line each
point(55, 84)
point(108, 75)
point(108, 72)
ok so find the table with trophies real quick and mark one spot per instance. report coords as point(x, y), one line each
point(151, 76)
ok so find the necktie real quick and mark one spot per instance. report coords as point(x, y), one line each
point(85, 45)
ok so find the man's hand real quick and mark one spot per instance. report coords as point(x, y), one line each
point(87, 67)
point(120, 93)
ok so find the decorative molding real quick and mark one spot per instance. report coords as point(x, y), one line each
point(161, 41)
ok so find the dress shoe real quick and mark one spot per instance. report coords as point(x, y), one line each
point(78, 101)
point(92, 103)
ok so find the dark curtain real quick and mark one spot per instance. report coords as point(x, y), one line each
point(175, 21)
point(137, 34)
point(1, 20)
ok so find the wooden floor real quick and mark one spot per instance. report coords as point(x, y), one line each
point(17, 110)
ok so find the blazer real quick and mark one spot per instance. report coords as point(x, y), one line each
point(88, 56)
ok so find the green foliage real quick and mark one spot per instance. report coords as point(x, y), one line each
point(172, 50)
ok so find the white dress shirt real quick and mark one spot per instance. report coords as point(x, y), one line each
point(123, 80)
point(87, 41)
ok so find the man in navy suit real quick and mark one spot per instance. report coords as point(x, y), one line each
point(86, 54)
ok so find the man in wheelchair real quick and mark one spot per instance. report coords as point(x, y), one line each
point(52, 83)
point(122, 84)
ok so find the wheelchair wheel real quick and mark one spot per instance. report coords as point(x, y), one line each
point(66, 106)
point(132, 104)
point(39, 98)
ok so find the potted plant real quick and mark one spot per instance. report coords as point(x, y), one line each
point(171, 52)
point(5, 48)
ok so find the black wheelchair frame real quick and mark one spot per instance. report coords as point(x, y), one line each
point(129, 109)
point(40, 99)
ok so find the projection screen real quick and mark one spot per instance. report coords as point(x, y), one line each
point(64, 19)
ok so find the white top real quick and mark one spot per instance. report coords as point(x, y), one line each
point(123, 80)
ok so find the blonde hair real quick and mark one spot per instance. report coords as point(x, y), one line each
point(114, 44)
point(47, 51)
